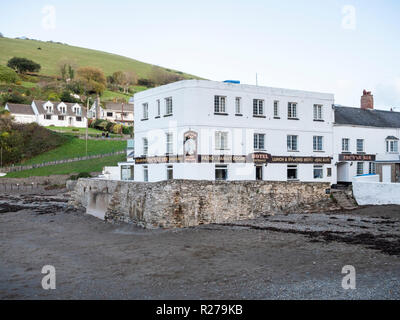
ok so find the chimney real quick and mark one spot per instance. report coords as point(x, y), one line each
point(367, 100)
point(98, 107)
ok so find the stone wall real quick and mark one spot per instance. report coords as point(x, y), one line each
point(184, 203)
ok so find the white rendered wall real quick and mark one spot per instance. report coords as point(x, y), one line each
point(376, 193)
point(374, 144)
point(193, 109)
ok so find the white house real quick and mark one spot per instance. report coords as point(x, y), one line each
point(59, 114)
point(115, 112)
point(207, 130)
point(47, 113)
point(366, 141)
point(22, 113)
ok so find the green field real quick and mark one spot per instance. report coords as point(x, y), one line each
point(77, 148)
point(81, 131)
point(110, 95)
point(92, 165)
point(50, 54)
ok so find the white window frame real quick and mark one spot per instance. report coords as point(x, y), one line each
point(259, 144)
point(145, 173)
point(318, 143)
point(360, 168)
point(345, 143)
point(238, 106)
point(319, 168)
point(168, 106)
point(145, 111)
point(290, 139)
point(158, 108)
point(292, 110)
point(392, 146)
point(145, 146)
point(258, 108)
point(363, 145)
point(372, 168)
point(221, 167)
point(169, 143)
point(276, 108)
point(318, 112)
point(221, 140)
point(170, 169)
point(220, 104)
point(291, 166)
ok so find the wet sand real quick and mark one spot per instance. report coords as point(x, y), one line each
point(281, 257)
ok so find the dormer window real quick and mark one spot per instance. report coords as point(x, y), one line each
point(49, 109)
point(392, 145)
point(77, 111)
point(62, 109)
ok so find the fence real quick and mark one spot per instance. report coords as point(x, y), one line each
point(52, 163)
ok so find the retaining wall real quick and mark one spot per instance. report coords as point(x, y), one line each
point(184, 203)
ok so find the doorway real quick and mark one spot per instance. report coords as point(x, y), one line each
point(343, 172)
point(387, 173)
point(259, 173)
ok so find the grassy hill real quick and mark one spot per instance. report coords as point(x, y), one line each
point(92, 165)
point(51, 53)
point(77, 148)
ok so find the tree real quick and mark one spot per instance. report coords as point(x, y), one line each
point(23, 65)
point(67, 69)
point(160, 76)
point(92, 79)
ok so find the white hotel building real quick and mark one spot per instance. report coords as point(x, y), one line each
point(206, 130)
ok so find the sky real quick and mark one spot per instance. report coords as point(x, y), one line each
point(332, 46)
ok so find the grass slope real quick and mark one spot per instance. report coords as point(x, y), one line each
point(77, 148)
point(93, 165)
point(52, 53)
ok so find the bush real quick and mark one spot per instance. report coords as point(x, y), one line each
point(117, 129)
point(75, 129)
point(23, 65)
point(8, 75)
point(127, 130)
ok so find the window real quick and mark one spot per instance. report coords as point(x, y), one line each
point(63, 110)
point(276, 109)
point(258, 107)
point(238, 106)
point(292, 172)
point(127, 172)
point(318, 143)
point(109, 114)
point(170, 172)
point(259, 141)
point(145, 146)
point(168, 106)
point(318, 172)
point(392, 146)
point(372, 168)
point(318, 112)
point(221, 140)
point(169, 141)
point(145, 174)
point(145, 111)
point(221, 172)
point(47, 117)
point(79, 119)
point(360, 145)
point(360, 168)
point(292, 110)
point(61, 118)
point(49, 109)
point(329, 172)
point(292, 143)
point(345, 145)
point(158, 108)
point(259, 173)
point(78, 111)
point(219, 104)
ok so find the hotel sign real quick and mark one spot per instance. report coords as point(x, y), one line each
point(257, 158)
point(306, 160)
point(357, 157)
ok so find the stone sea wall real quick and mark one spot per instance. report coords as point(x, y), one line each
point(185, 203)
